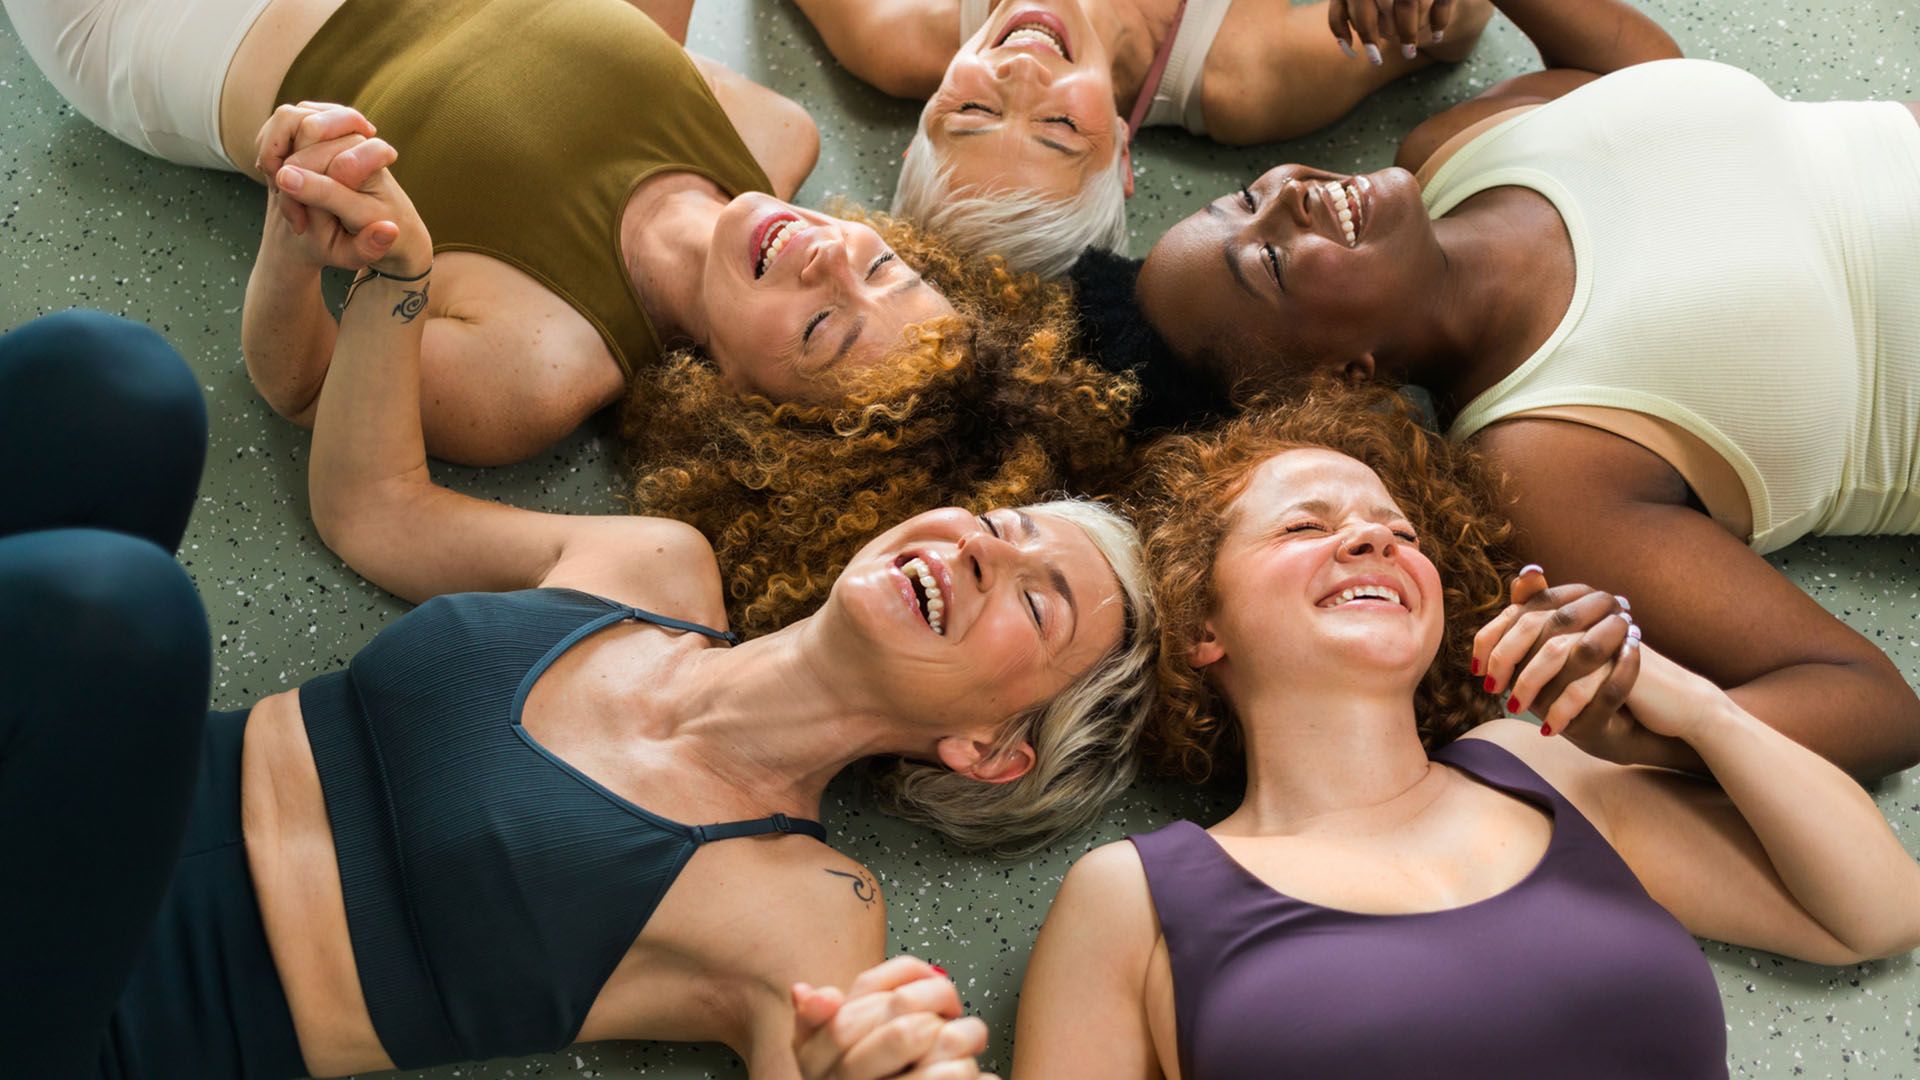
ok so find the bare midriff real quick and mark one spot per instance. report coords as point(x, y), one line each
point(296, 877)
point(260, 65)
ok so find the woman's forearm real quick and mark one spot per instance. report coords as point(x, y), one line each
point(1590, 35)
point(367, 428)
point(1827, 840)
point(286, 331)
point(1863, 717)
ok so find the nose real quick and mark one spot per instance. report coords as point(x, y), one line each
point(1020, 69)
point(986, 556)
point(828, 258)
point(1364, 539)
point(1285, 208)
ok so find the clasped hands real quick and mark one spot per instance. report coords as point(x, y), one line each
point(331, 192)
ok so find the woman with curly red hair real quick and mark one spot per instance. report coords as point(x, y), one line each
point(1389, 899)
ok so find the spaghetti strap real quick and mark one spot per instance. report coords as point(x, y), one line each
point(672, 623)
point(778, 823)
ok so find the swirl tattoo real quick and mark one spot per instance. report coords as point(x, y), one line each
point(863, 887)
point(412, 304)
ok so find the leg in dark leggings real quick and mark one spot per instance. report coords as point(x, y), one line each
point(101, 426)
point(104, 670)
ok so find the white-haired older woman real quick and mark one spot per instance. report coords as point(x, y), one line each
point(1021, 150)
point(545, 806)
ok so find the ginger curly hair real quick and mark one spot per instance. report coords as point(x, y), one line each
point(988, 407)
point(1184, 498)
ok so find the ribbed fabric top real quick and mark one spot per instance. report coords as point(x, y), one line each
point(1746, 268)
point(491, 888)
point(523, 128)
point(1572, 973)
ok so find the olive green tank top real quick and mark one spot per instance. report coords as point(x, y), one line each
point(523, 128)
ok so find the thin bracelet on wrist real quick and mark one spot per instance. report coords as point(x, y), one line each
point(369, 273)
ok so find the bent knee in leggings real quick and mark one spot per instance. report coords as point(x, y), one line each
point(101, 425)
point(100, 627)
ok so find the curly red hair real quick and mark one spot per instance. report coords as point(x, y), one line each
point(1184, 502)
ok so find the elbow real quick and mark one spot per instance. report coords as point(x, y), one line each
point(1894, 727)
point(288, 401)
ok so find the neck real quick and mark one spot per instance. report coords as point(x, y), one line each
point(665, 232)
point(1489, 310)
point(1316, 752)
point(1130, 35)
point(769, 720)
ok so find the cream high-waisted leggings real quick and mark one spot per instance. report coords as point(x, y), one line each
point(147, 71)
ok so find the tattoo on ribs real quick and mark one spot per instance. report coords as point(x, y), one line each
point(863, 886)
point(412, 304)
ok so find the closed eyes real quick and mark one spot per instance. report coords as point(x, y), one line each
point(1267, 253)
point(806, 333)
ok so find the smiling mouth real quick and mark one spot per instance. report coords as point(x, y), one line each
point(929, 600)
point(772, 239)
point(1344, 199)
point(1036, 29)
point(1363, 593)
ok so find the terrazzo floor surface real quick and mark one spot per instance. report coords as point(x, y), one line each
point(84, 220)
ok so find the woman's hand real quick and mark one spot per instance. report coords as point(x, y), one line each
point(314, 238)
point(1382, 25)
point(1571, 656)
point(360, 215)
point(899, 1019)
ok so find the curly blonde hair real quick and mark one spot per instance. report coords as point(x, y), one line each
point(987, 407)
point(1185, 495)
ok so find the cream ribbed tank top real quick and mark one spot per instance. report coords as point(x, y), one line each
point(1746, 268)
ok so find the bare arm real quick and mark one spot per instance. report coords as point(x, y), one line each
point(899, 47)
point(1578, 43)
point(1786, 854)
point(1083, 1007)
point(1593, 507)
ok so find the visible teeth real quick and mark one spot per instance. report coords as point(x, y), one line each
point(1345, 205)
point(1366, 592)
point(776, 239)
point(936, 602)
point(1036, 32)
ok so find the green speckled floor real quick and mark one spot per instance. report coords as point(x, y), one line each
point(85, 220)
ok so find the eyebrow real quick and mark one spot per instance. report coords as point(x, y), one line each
point(1226, 255)
point(1325, 508)
point(1059, 580)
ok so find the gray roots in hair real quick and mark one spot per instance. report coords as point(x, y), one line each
point(1034, 233)
point(1085, 738)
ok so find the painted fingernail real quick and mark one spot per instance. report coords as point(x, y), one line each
point(1489, 684)
point(1408, 51)
point(1633, 633)
point(1438, 36)
point(1513, 705)
point(1633, 642)
point(1347, 48)
point(938, 968)
point(1544, 730)
point(1625, 604)
point(1531, 568)
point(1373, 52)
point(1476, 665)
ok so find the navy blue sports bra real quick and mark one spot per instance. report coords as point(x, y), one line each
point(491, 888)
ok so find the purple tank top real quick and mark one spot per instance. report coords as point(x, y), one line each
point(1572, 973)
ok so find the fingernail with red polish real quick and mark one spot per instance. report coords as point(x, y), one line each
point(1513, 705)
point(1489, 684)
point(1544, 730)
point(938, 968)
point(1476, 665)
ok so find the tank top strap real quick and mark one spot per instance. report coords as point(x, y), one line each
point(1189, 874)
point(671, 623)
point(778, 823)
point(1496, 766)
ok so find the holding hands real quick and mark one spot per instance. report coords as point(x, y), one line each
point(1571, 655)
point(1383, 25)
point(329, 186)
point(899, 1019)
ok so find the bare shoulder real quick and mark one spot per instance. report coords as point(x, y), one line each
point(1533, 88)
point(834, 898)
point(1107, 886)
point(1546, 458)
point(659, 564)
point(1574, 773)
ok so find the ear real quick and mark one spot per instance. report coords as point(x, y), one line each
point(1207, 649)
point(1358, 370)
point(1126, 159)
point(978, 761)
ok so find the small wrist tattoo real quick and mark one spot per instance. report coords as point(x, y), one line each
point(863, 886)
point(412, 303)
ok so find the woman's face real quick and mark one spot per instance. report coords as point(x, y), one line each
point(1027, 103)
point(796, 300)
point(1319, 576)
point(1275, 272)
point(962, 620)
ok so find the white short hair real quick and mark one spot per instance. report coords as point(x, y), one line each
point(1033, 232)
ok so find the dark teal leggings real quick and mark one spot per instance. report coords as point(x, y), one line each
point(104, 668)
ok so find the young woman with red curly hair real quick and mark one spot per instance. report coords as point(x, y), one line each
point(1388, 899)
